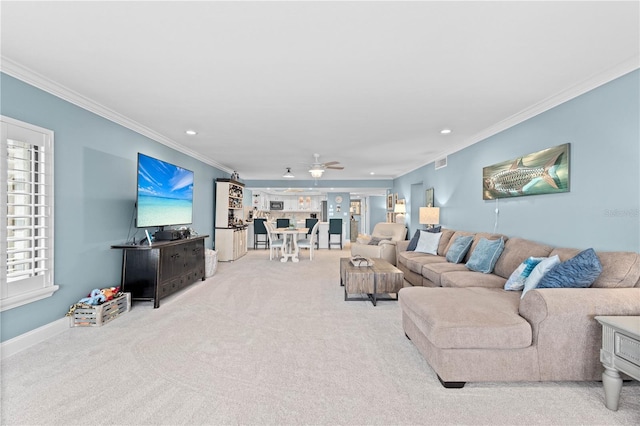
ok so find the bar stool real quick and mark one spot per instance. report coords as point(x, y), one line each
point(335, 228)
point(260, 229)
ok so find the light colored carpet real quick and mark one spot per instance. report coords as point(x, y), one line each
point(263, 342)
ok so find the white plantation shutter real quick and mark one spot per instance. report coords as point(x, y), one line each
point(26, 258)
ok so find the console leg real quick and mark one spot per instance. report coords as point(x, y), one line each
point(612, 384)
point(452, 385)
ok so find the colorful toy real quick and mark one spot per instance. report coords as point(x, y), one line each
point(110, 292)
point(95, 297)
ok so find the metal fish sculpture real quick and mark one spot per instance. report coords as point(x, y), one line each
point(519, 178)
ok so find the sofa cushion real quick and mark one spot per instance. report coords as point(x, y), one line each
point(516, 251)
point(467, 318)
point(578, 272)
point(414, 261)
point(433, 271)
point(471, 279)
point(485, 256)
point(619, 269)
point(445, 239)
point(459, 248)
point(428, 242)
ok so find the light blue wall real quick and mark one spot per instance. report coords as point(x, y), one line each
point(95, 188)
point(377, 210)
point(602, 208)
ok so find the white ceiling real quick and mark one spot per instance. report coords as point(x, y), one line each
point(370, 84)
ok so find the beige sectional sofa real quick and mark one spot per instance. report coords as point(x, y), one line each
point(470, 329)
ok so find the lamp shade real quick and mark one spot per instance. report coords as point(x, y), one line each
point(400, 208)
point(429, 215)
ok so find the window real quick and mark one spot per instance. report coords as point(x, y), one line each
point(26, 250)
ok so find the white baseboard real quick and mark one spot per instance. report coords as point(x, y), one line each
point(30, 338)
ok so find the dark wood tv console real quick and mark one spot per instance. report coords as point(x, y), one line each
point(151, 272)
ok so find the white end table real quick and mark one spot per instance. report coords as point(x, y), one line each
point(620, 353)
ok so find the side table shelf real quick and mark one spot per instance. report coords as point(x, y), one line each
point(152, 272)
point(620, 353)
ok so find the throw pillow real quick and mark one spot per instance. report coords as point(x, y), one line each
point(578, 272)
point(538, 272)
point(518, 277)
point(374, 241)
point(459, 248)
point(485, 255)
point(428, 243)
point(414, 241)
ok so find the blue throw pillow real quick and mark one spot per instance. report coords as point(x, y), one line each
point(414, 241)
point(578, 272)
point(434, 230)
point(459, 248)
point(485, 255)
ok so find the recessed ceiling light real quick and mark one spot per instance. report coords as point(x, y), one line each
point(191, 132)
point(445, 131)
point(372, 173)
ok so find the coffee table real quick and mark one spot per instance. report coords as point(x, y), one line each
point(381, 278)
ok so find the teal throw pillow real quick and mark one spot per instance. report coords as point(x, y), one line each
point(538, 272)
point(578, 272)
point(517, 279)
point(459, 248)
point(485, 255)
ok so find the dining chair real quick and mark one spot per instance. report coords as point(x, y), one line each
point(335, 228)
point(282, 223)
point(259, 230)
point(274, 244)
point(310, 223)
point(309, 242)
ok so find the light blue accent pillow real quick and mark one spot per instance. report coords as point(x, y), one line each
point(459, 248)
point(538, 272)
point(578, 272)
point(517, 279)
point(428, 242)
point(485, 255)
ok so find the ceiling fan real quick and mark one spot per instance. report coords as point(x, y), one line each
point(318, 168)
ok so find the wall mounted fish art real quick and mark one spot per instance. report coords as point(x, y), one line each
point(542, 172)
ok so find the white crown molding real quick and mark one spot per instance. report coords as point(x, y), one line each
point(553, 101)
point(22, 73)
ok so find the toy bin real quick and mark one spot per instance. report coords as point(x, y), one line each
point(95, 316)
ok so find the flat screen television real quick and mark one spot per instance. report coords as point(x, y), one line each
point(164, 195)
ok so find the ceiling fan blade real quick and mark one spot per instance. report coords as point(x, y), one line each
point(330, 163)
point(335, 167)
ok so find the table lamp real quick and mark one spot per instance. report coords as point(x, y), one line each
point(429, 216)
point(400, 210)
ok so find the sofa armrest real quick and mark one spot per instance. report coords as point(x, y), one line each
point(393, 243)
point(363, 239)
point(402, 245)
point(567, 336)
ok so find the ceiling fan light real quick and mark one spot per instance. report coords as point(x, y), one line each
point(316, 172)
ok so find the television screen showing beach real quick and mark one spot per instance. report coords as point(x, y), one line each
point(165, 193)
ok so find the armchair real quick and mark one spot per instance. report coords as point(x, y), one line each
point(381, 243)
